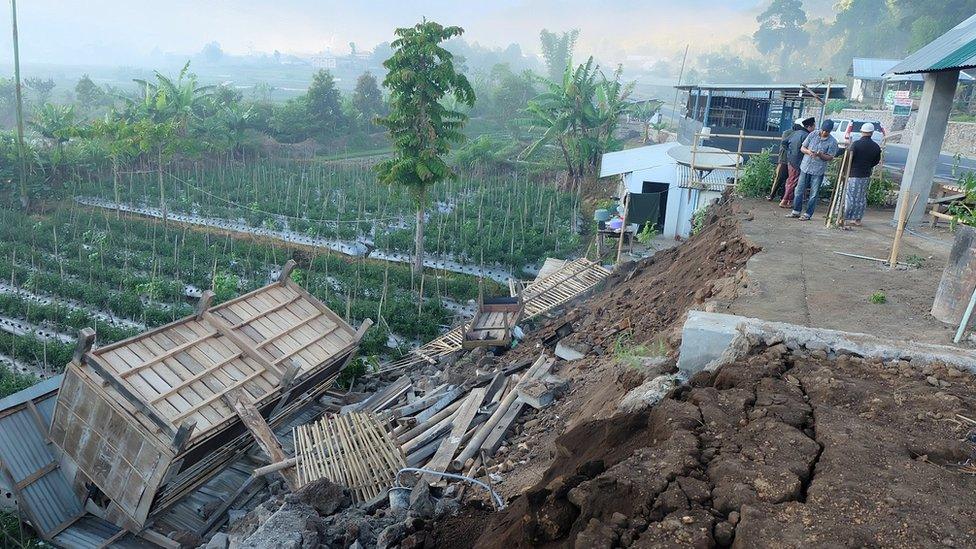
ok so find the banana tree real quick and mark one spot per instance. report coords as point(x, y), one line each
point(57, 125)
point(121, 141)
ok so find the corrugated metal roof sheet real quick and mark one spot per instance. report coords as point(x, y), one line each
point(955, 49)
point(30, 465)
point(870, 69)
point(639, 158)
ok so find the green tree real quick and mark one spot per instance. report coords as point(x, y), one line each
point(367, 99)
point(510, 94)
point(924, 30)
point(120, 142)
point(89, 94)
point(324, 103)
point(56, 124)
point(41, 86)
point(781, 30)
point(421, 73)
point(557, 50)
point(580, 114)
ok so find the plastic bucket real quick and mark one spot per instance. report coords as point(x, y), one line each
point(399, 498)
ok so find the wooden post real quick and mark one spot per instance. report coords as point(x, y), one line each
point(893, 260)
point(738, 159)
point(183, 435)
point(772, 189)
point(206, 299)
point(86, 338)
point(286, 270)
point(263, 434)
point(623, 228)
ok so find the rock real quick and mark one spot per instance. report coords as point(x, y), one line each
point(527, 425)
point(619, 520)
point(391, 535)
point(932, 380)
point(325, 496)
point(540, 393)
point(219, 541)
point(687, 519)
point(597, 535)
point(724, 533)
point(293, 526)
point(734, 518)
point(446, 507)
point(420, 501)
point(647, 394)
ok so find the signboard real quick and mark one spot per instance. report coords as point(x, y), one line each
point(902, 104)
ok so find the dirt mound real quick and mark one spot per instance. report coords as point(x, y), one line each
point(782, 449)
point(637, 315)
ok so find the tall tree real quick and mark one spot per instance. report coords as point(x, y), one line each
point(510, 93)
point(324, 102)
point(367, 99)
point(781, 30)
point(580, 114)
point(421, 73)
point(89, 94)
point(557, 49)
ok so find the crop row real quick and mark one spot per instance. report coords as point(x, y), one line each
point(482, 217)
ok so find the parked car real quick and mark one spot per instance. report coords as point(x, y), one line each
point(846, 129)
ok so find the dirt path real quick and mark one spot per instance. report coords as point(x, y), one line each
point(797, 278)
point(777, 449)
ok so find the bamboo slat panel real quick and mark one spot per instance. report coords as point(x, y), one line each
point(352, 450)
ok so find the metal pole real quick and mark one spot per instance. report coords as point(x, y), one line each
point(24, 200)
point(681, 73)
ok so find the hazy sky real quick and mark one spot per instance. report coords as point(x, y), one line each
point(126, 31)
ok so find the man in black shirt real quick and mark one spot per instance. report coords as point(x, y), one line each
point(866, 155)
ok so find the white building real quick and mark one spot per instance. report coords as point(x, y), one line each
point(661, 186)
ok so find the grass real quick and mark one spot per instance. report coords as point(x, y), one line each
point(11, 382)
point(915, 260)
point(878, 298)
point(14, 535)
point(631, 354)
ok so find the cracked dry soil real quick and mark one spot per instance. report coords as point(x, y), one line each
point(777, 449)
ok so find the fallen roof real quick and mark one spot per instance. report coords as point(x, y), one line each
point(953, 50)
point(180, 371)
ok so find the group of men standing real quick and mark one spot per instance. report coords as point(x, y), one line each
point(806, 154)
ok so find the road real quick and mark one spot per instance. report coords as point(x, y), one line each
point(897, 155)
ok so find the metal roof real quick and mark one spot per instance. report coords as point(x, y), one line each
point(640, 158)
point(953, 50)
point(762, 87)
point(28, 463)
point(875, 69)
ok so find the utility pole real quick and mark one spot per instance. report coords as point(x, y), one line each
point(681, 73)
point(24, 199)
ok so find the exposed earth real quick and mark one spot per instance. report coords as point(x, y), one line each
point(777, 449)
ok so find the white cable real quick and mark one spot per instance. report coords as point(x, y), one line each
point(499, 503)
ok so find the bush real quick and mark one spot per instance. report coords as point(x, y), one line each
point(11, 382)
point(757, 176)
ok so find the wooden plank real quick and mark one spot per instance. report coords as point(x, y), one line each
point(248, 349)
point(171, 352)
point(33, 477)
point(150, 413)
point(442, 458)
point(262, 314)
point(263, 434)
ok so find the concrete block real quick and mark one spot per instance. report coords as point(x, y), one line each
point(540, 393)
point(704, 338)
point(570, 350)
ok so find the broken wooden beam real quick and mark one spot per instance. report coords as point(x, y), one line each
point(263, 435)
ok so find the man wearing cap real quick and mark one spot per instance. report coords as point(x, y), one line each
point(866, 155)
point(819, 148)
point(793, 158)
point(782, 172)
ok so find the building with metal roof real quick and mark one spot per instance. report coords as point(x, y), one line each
point(765, 110)
point(871, 79)
point(939, 62)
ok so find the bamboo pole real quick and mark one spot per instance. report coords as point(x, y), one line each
point(738, 159)
point(900, 230)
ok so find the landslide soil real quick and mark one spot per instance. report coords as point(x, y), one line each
point(639, 311)
point(777, 449)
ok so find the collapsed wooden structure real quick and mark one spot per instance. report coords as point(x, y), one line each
point(493, 323)
point(149, 419)
point(558, 284)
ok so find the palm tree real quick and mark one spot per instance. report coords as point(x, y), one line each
point(57, 125)
point(581, 114)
